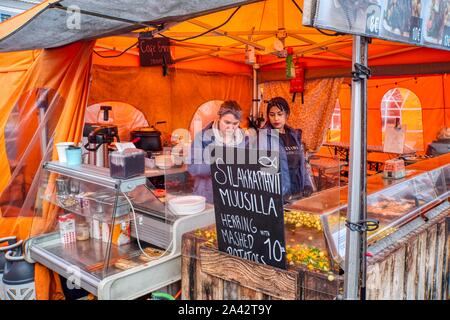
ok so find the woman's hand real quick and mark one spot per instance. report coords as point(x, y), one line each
point(307, 191)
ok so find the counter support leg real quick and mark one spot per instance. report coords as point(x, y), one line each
point(354, 283)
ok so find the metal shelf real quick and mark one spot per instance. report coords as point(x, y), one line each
point(75, 261)
point(117, 284)
point(94, 174)
point(87, 213)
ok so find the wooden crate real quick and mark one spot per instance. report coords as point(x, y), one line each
point(208, 274)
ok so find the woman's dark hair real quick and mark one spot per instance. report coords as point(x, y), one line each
point(280, 103)
point(230, 107)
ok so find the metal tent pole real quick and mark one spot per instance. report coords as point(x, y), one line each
point(363, 177)
point(356, 215)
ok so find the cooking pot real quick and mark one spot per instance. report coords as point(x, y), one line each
point(147, 139)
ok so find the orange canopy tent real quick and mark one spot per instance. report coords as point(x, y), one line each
point(209, 67)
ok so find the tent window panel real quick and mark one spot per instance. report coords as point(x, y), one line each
point(403, 105)
point(204, 115)
point(334, 131)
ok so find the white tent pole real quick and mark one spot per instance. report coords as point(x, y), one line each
point(280, 9)
point(356, 188)
point(254, 114)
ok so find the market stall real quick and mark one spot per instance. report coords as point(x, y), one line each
point(65, 80)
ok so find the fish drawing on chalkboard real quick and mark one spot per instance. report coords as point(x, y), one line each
point(268, 162)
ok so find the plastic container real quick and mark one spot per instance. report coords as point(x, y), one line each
point(82, 230)
point(96, 222)
point(73, 155)
point(122, 206)
point(96, 226)
point(127, 164)
point(67, 228)
point(62, 186)
point(394, 169)
point(121, 232)
point(61, 149)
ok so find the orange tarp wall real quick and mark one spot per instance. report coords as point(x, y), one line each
point(432, 91)
point(66, 71)
point(173, 98)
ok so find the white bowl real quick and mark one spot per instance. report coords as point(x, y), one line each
point(187, 205)
point(164, 161)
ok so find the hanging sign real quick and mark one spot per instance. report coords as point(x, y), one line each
point(249, 205)
point(418, 22)
point(154, 52)
point(394, 139)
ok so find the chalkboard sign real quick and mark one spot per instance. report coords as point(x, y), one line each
point(249, 205)
point(154, 52)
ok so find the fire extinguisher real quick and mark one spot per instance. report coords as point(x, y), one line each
point(298, 82)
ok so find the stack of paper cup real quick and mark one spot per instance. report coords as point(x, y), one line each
point(61, 149)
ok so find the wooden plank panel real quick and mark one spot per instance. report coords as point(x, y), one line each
point(249, 294)
point(206, 284)
point(410, 270)
point(421, 260)
point(399, 274)
point(230, 290)
point(200, 277)
point(188, 268)
point(386, 279)
point(446, 262)
point(373, 282)
point(386, 270)
point(211, 287)
point(268, 280)
point(430, 262)
point(441, 239)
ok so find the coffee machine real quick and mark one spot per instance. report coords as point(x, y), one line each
point(100, 137)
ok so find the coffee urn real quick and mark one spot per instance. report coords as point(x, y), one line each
point(98, 137)
point(99, 145)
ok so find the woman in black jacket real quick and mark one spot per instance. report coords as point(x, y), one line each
point(296, 180)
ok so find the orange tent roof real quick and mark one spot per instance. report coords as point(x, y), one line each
point(258, 24)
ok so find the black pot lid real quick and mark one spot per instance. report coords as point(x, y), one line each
point(146, 130)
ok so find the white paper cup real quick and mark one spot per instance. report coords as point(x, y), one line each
point(61, 149)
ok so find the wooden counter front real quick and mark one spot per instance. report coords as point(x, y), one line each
point(208, 274)
point(414, 267)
